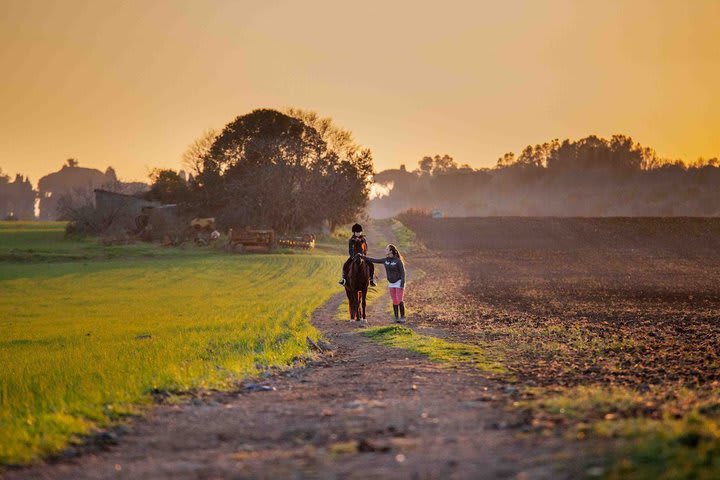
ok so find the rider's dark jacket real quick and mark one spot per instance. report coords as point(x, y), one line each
point(350, 244)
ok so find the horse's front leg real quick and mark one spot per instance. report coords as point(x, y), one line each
point(355, 307)
point(350, 304)
point(364, 297)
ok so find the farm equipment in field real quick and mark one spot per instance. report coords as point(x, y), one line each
point(203, 231)
point(305, 242)
point(160, 223)
point(241, 240)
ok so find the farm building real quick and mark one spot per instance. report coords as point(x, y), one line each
point(123, 207)
point(149, 220)
point(69, 180)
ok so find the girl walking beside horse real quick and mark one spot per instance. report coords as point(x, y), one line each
point(395, 271)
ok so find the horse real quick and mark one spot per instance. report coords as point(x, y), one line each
point(358, 281)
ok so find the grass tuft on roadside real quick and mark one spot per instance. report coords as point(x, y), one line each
point(435, 349)
point(668, 434)
point(688, 448)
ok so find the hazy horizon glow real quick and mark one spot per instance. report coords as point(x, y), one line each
point(131, 84)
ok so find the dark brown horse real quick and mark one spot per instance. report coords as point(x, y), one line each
point(358, 281)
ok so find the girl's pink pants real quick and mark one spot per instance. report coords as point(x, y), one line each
point(397, 295)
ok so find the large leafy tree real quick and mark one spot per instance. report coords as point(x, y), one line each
point(346, 184)
point(268, 169)
point(195, 155)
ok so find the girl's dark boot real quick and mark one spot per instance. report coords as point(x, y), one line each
point(395, 309)
point(402, 309)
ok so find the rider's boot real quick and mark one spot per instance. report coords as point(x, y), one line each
point(402, 310)
point(395, 310)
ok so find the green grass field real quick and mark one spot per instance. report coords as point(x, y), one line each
point(89, 332)
point(46, 242)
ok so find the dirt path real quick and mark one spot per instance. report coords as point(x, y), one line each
point(369, 411)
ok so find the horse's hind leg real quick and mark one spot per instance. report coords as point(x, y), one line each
point(361, 308)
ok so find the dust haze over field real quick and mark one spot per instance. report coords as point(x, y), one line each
point(590, 177)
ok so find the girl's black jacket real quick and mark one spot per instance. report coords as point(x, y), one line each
point(393, 268)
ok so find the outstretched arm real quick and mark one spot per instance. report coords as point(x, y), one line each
point(374, 260)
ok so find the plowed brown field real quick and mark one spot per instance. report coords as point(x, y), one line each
point(608, 325)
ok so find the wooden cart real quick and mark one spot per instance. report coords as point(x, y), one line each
point(241, 240)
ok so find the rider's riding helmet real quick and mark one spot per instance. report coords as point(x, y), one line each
point(357, 228)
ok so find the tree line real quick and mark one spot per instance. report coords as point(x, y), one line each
point(592, 176)
point(267, 169)
point(17, 198)
point(294, 169)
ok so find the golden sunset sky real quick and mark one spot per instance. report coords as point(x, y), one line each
point(132, 83)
